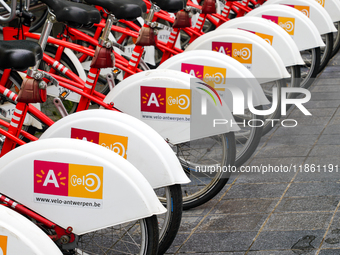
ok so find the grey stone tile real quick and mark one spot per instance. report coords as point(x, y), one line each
point(329, 139)
point(266, 177)
point(322, 81)
point(256, 191)
point(241, 206)
point(216, 253)
point(319, 169)
point(298, 221)
point(326, 88)
point(188, 223)
point(332, 239)
point(322, 104)
point(305, 240)
point(324, 112)
point(330, 252)
point(326, 150)
point(273, 150)
point(313, 189)
point(325, 96)
point(282, 252)
point(218, 242)
point(300, 130)
point(179, 240)
point(335, 121)
point(300, 204)
point(293, 140)
point(229, 223)
point(332, 129)
point(311, 120)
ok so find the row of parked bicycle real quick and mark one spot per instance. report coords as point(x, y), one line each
point(164, 139)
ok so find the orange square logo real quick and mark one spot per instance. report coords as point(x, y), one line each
point(242, 52)
point(267, 38)
point(303, 9)
point(322, 2)
point(85, 181)
point(178, 101)
point(214, 76)
point(115, 143)
point(3, 245)
point(287, 24)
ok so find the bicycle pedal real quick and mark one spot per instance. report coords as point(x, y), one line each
point(63, 94)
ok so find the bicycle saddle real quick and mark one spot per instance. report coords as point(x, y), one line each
point(170, 5)
point(19, 55)
point(122, 9)
point(74, 14)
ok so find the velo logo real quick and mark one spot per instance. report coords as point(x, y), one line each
point(286, 23)
point(209, 74)
point(301, 8)
point(3, 245)
point(242, 52)
point(115, 143)
point(267, 38)
point(165, 100)
point(69, 180)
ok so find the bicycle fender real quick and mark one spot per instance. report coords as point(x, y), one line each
point(130, 138)
point(154, 96)
point(301, 29)
point(272, 34)
point(332, 7)
point(61, 179)
point(18, 235)
point(226, 71)
point(252, 51)
point(317, 14)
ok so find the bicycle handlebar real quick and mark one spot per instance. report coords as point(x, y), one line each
point(12, 11)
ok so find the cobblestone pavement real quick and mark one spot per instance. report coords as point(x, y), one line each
point(279, 213)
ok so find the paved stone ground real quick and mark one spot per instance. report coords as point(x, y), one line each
point(279, 213)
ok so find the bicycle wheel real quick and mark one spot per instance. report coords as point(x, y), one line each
point(48, 107)
point(205, 162)
point(309, 71)
point(136, 237)
point(326, 52)
point(336, 39)
point(169, 223)
point(248, 138)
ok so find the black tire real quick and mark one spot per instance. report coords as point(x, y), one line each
point(309, 71)
point(326, 53)
point(336, 39)
point(48, 107)
point(118, 241)
point(204, 185)
point(171, 198)
point(40, 22)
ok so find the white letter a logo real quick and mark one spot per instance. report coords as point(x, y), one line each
point(50, 178)
point(153, 100)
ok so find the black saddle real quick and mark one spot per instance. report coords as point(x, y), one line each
point(73, 14)
point(170, 5)
point(19, 55)
point(122, 9)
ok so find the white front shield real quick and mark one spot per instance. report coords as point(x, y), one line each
point(228, 74)
point(250, 50)
point(272, 34)
point(317, 14)
point(297, 25)
point(63, 179)
point(127, 136)
point(162, 99)
point(18, 235)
